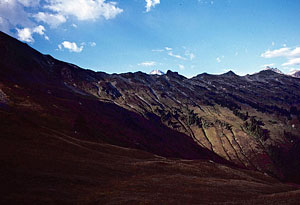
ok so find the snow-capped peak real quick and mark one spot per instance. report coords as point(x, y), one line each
point(276, 70)
point(157, 72)
point(295, 73)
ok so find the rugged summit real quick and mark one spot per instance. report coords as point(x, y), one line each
point(121, 124)
point(156, 72)
point(276, 70)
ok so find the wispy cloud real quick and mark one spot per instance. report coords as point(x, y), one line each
point(71, 46)
point(292, 62)
point(92, 44)
point(151, 3)
point(282, 52)
point(147, 63)
point(190, 55)
point(176, 56)
point(219, 59)
point(181, 67)
point(291, 54)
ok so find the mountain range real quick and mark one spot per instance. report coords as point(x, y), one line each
point(73, 135)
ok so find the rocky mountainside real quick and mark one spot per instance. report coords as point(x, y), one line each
point(252, 121)
point(224, 124)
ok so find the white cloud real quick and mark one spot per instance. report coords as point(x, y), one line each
point(71, 46)
point(12, 13)
point(25, 34)
point(273, 43)
point(292, 62)
point(282, 52)
point(24, 15)
point(181, 67)
point(187, 54)
point(295, 52)
point(84, 9)
point(176, 56)
point(147, 63)
point(51, 19)
point(150, 4)
point(92, 44)
point(39, 29)
point(292, 55)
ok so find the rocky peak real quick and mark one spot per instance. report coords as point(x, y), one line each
point(230, 74)
point(175, 75)
point(156, 72)
point(276, 70)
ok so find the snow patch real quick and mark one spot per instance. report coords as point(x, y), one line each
point(157, 72)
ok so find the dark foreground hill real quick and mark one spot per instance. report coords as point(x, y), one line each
point(74, 135)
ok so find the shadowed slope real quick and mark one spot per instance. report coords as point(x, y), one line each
point(44, 165)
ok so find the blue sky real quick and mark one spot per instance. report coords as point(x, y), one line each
point(188, 36)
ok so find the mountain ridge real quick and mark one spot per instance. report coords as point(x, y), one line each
point(249, 122)
point(204, 107)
